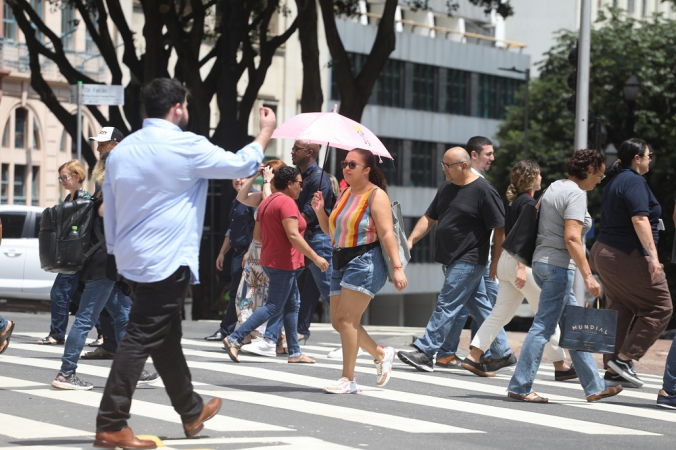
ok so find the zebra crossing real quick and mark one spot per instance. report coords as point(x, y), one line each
point(271, 404)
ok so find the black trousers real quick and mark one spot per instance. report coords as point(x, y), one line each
point(154, 330)
point(229, 321)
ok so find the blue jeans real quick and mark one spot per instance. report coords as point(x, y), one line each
point(669, 380)
point(3, 324)
point(97, 295)
point(485, 294)
point(63, 289)
point(557, 292)
point(229, 321)
point(320, 242)
point(462, 281)
point(283, 301)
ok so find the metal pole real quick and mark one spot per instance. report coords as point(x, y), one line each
point(525, 116)
point(582, 114)
point(79, 121)
point(582, 101)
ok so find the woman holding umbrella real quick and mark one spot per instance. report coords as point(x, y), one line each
point(362, 215)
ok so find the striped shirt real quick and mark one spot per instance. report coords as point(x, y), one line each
point(350, 222)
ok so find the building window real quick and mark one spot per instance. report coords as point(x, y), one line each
point(20, 123)
point(5, 135)
point(36, 135)
point(457, 92)
point(631, 7)
point(423, 250)
point(424, 87)
point(90, 46)
point(35, 186)
point(644, 8)
point(4, 184)
point(62, 143)
point(67, 25)
point(389, 87)
point(37, 7)
point(423, 170)
point(356, 61)
point(19, 184)
point(391, 168)
point(9, 23)
point(495, 94)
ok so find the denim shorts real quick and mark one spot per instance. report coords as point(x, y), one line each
point(366, 274)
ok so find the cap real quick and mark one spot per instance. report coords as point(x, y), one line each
point(108, 134)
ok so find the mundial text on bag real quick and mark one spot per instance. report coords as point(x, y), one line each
point(65, 236)
point(402, 242)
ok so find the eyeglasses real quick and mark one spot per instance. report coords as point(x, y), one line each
point(601, 177)
point(294, 149)
point(448, 166)
point(64, 179)
point(300, 183)
point(351, 164)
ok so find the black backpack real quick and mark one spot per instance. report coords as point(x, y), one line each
point(66, 234)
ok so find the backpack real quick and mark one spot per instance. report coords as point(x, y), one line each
point(64, 248)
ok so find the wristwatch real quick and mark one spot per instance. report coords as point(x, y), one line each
point(266, 181)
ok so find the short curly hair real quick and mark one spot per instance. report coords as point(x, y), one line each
point(578, 165)
point(524, 175)
point(284, 176)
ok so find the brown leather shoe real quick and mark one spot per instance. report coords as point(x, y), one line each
point(610, 392)
point(98, 353)
point(124, 438)
point(209, 411)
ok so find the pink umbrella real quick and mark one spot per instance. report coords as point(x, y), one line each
point(333, 130)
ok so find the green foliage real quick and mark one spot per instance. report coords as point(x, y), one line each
point(620, 47)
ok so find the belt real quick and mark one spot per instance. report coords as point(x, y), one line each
point(241, 249)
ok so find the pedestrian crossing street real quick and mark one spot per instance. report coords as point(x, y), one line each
point(271, 404)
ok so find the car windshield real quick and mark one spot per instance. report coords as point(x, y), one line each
point(12, 224)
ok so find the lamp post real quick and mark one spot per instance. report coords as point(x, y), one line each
point(630, 91)
point(526, 73)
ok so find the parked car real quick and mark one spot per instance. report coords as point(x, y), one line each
point(20, 272)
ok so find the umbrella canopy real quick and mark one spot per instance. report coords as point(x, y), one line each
point(332, 129)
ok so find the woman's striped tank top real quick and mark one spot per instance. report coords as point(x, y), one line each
point(350, 222)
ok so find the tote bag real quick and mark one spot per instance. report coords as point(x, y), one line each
point(402, 242)
point(588, 329)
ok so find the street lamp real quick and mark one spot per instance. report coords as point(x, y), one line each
point(526, 72)
point(630, 91)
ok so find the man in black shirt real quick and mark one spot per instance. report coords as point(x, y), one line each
point(304, 156)
point(466, 209)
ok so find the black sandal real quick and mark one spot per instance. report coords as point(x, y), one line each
point(228, 345)
point(51, 340)
point(5, 337)
point(479, 369)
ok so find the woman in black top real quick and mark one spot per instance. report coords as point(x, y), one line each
point(516, 282)
point(625, 258)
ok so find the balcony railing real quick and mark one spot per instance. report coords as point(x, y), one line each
point(463, 35)
point(14, 56)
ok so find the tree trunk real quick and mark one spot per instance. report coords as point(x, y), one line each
point(311, 96)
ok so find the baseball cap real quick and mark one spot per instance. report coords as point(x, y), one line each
point(108, 134)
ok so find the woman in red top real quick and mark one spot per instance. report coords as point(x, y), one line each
point(282, 226)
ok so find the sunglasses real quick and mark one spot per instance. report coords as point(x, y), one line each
point(351, 164)
point(448, 166)
point(294, 149)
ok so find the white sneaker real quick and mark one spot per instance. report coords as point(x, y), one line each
point(261, 346)
point(384, 367)
point(338, 353)
point(342, 386)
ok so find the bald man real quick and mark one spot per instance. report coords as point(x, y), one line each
point(466, 209)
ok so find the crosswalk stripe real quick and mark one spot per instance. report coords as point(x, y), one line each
point(337, 412)
point(22, 428)
point(547, 420)
point(440, 381)
point(296, 442)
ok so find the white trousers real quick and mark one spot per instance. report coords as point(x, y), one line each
point(508, 301)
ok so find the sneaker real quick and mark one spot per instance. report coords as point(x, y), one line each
point(338, 353)
point(493, 365)
point(342, 386)
point(417, 359)
point(449, 362)
point(384, 367)
point(626, 370)
point(666, 400)
point(147, 377)
point(261, 346)
point(613, 379)
point(71, 382)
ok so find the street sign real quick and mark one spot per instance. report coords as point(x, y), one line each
point(98, 94)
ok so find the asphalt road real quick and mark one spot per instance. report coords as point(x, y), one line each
point(271, 404)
